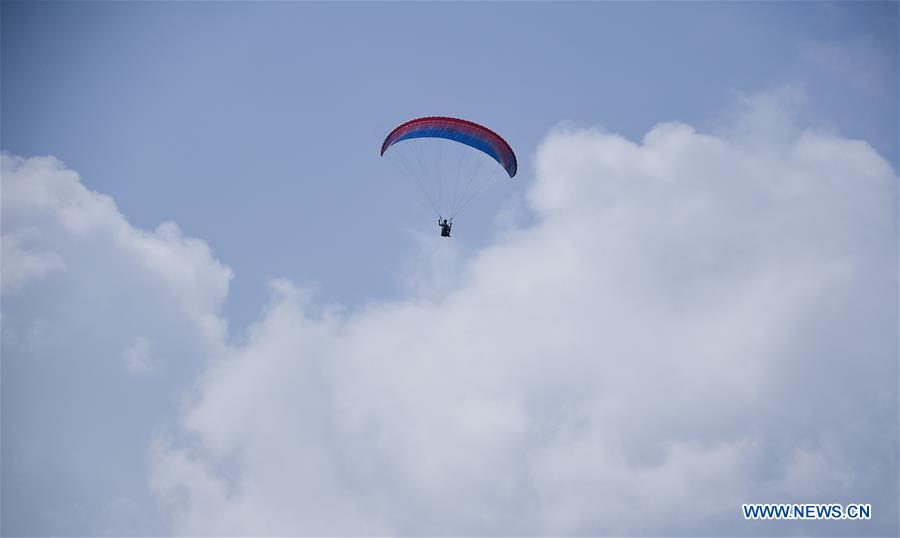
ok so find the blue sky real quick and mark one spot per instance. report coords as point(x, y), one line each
point(255, 128)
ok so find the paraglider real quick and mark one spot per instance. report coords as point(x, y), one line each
point(451, 160)
point(445, 227)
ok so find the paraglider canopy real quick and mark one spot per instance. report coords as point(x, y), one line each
point(462, 131)
point(451, 160)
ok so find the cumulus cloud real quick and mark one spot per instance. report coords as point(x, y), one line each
point(20, 265)
point(89, 301)
point(690, 322)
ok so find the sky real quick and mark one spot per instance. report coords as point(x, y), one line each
point(224, 314)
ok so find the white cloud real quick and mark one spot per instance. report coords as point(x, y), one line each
point(89, 300)
point(139, 358)
point(694, 322)
point(691, 322)
point(19, 266)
